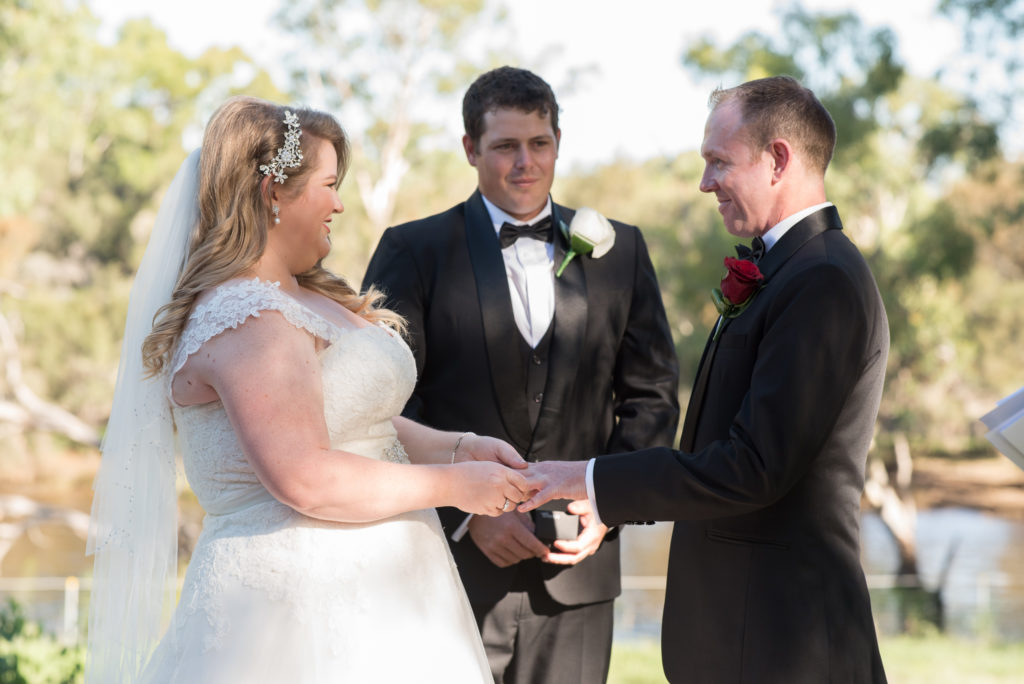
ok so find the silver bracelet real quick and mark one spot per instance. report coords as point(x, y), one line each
point(459, 441)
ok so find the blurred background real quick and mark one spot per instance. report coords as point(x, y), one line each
point(101, 101)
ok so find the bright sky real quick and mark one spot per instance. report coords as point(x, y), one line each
point(637, 102)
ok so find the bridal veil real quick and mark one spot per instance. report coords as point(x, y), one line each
point(133, 530)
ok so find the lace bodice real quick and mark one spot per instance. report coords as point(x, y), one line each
point(272, 595)
point(367, 373)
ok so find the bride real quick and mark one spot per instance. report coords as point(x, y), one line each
point(321, 558)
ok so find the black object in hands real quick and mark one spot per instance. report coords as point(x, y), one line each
point(552, 521)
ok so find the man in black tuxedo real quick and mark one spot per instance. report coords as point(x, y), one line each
point(764, 582)
point(560, 367)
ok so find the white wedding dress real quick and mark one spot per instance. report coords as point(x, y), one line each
point(274, 596)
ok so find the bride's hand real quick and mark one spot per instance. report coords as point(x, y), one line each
point(487, 488)
point(483, 448)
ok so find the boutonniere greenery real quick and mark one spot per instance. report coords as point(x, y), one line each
point(588, 233)
point(743, 279)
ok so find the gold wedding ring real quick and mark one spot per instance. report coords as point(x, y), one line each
point(504, 506)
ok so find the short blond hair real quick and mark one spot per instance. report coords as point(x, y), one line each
point(779, 107)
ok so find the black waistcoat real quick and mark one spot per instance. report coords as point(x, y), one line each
point(536, 372)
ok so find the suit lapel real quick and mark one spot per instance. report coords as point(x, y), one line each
point(788, 245)
point(689, 434)
point(508, 372)
point(796, 237)
point(570, 325)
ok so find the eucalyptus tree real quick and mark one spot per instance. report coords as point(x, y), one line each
point(991, 65)
point(91, 132)
point(393, 71)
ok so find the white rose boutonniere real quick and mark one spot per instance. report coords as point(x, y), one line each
point(588, 233)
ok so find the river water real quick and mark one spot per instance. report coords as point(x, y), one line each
point(983, 592)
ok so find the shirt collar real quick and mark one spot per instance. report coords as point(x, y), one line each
point(500, 216)
point(783, 226)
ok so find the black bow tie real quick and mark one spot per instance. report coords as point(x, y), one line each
point(509, 233)
point(754, 252)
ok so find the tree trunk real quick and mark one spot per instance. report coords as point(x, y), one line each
point(891, 496)
point(25, 408)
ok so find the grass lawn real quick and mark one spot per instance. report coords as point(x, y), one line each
point(908, 660)
point(636, 662)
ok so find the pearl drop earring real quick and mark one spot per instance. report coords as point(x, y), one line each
point(277, 212)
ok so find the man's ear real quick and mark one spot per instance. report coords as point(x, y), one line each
point(782, 157)
point(470, 148)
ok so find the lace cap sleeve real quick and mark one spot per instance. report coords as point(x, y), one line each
point(232, 304)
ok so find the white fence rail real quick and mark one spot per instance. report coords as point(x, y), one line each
point(66, 624)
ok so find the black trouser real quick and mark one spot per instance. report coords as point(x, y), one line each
point(532, 639)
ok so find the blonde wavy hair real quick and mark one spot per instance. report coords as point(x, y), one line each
point(235, 215)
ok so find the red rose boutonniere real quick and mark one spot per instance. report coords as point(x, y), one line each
point(742, 281)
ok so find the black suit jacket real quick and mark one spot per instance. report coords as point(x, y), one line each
point(765, 582)
point(612, 374)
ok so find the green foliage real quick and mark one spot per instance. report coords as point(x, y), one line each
point(949, 285)
point(934, 245)
point(387, 79)
point(984, 20)
point(72, 340)
point(12, 620)
point(30, 656)
point(945, 247)
point(437, 180)
point(856, 72)
point(965, 131)
point(683, 231)
point(87, 159)
point(990, 64)
point(105, 135)
point(848, 66)
point(918, 176)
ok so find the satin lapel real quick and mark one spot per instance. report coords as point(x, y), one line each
point(795, 238)
point(700, 385)
point(508, 372)
point(570, 326)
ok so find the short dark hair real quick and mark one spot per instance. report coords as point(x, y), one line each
point(779, 107)
point(506, 88)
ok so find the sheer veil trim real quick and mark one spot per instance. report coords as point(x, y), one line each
point(133, 529)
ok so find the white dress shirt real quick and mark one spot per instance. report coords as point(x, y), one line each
point(770, 238)
point(530, 269)
point(783, 226)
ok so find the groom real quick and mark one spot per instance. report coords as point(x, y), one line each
point(764, 581)
point(558, 366)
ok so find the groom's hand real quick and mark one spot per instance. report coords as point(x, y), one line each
point(555, 480)
point(506, 539)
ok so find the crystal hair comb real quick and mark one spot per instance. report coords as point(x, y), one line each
point(289, 156)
